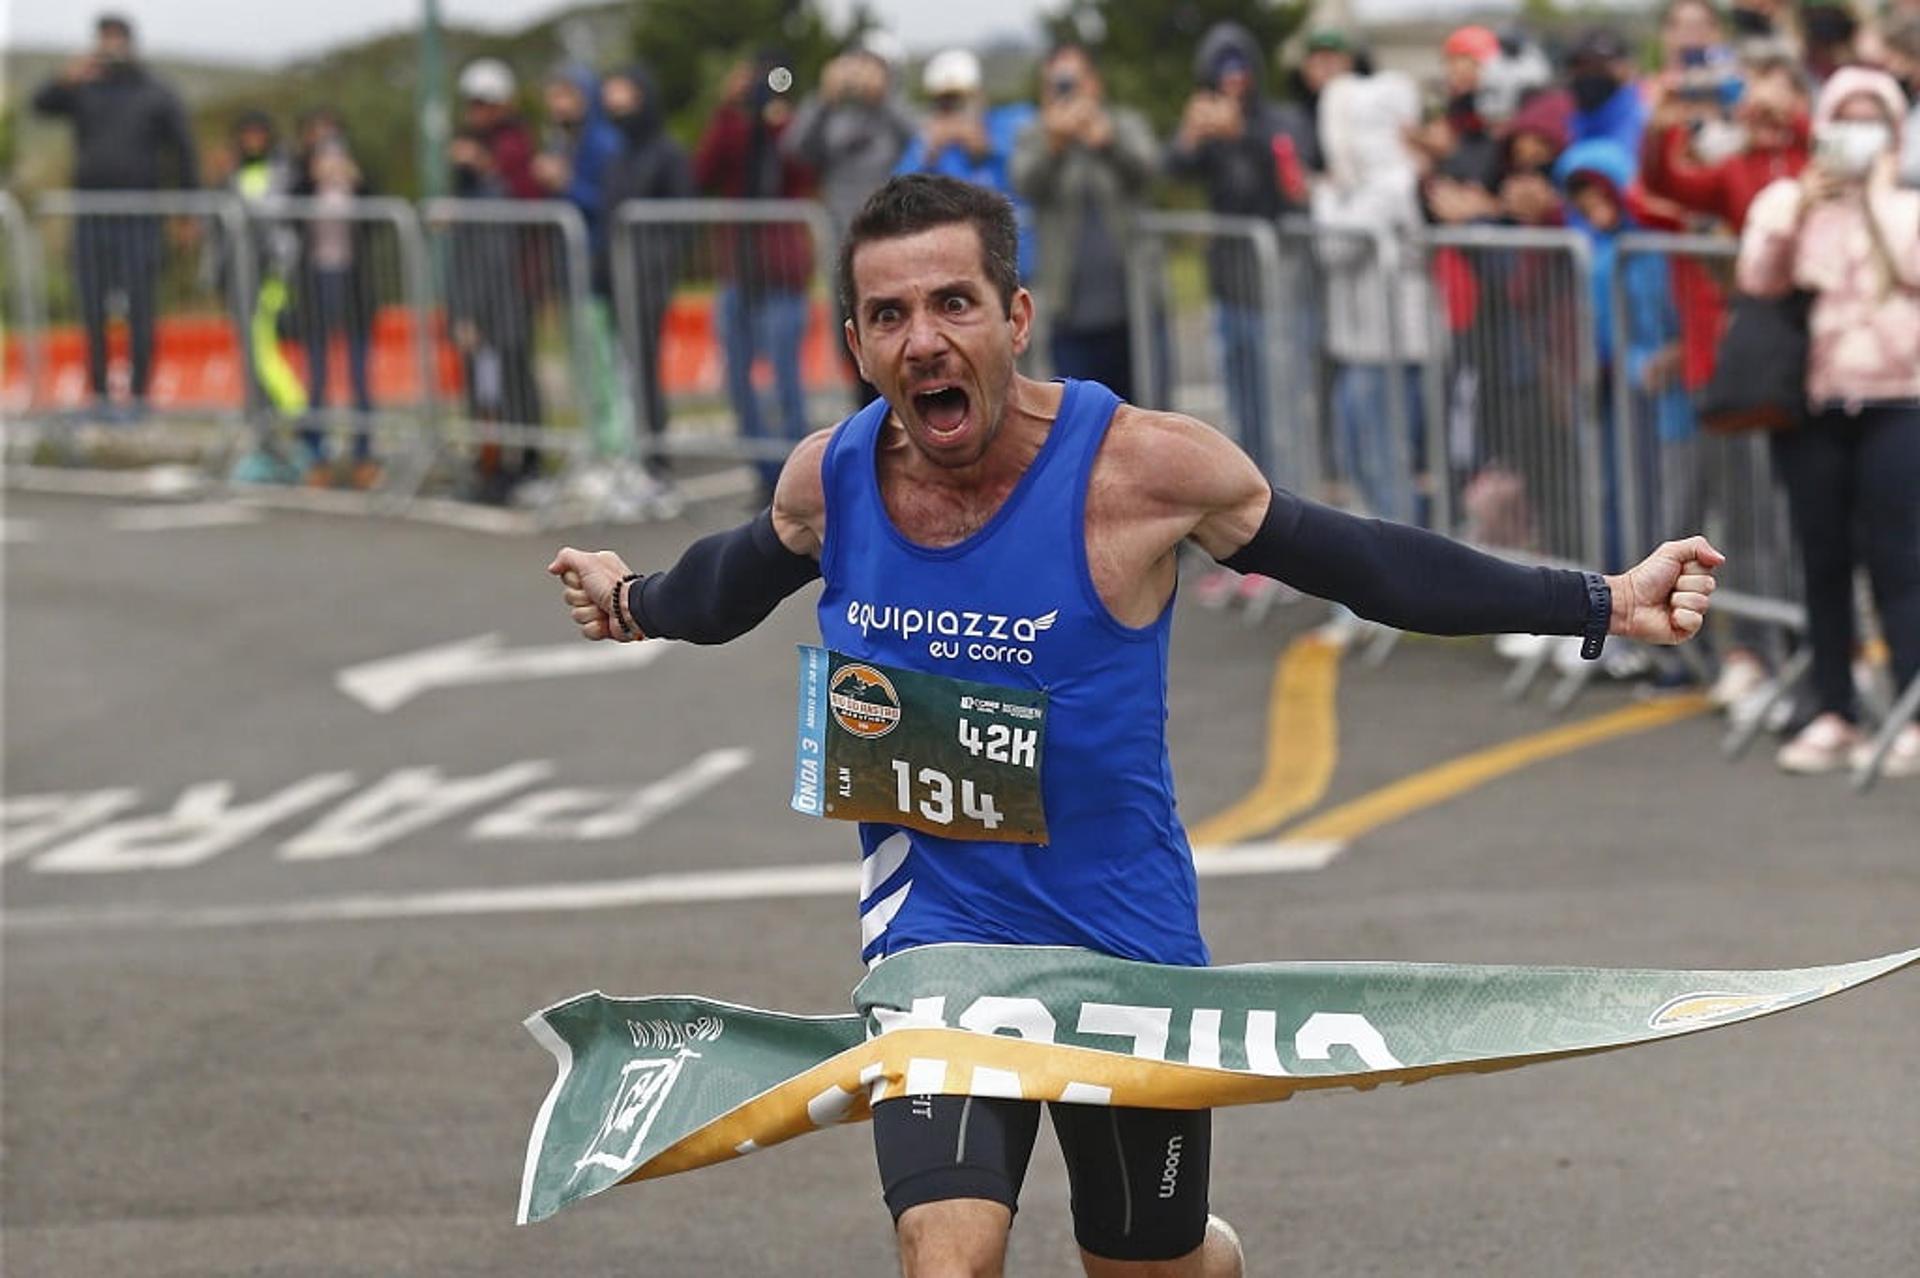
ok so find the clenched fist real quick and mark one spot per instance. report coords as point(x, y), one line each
point(588, 579)
point(1663, 599)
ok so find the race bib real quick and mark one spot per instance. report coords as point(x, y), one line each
point(940, 755)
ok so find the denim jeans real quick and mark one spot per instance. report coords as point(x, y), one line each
point(1367, 454)
point(118, 254)
point(1242, 331)
point(769, 324)
point(329, 311)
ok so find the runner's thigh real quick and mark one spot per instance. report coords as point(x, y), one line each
point(935, 1148)
point(1139, 1178)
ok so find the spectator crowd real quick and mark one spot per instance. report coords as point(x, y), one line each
point(1793, 125)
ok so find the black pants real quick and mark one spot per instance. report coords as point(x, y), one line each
point(117, 254)
point(1853, 483)
point(648, 374)
point(1139, 1177)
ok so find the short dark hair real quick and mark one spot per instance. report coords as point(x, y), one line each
point(113, 23)
point(916, 202)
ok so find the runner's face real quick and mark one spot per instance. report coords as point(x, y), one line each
point(930, 333)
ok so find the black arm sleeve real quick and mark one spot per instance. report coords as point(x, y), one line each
point(1408, 578)
point(724, 585)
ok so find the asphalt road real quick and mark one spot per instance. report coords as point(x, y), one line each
point(198, 1080)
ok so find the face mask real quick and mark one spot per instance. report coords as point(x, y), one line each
point(1592, 90)
point(1849, 147)
point(1719, 140)
point(1747, 22)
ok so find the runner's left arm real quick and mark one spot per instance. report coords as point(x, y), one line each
point(1416, 580)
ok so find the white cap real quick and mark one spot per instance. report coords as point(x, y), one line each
point(951, 71)
point(884, 45)
point(487, 80)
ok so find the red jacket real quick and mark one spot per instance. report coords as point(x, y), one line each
point(1723, 190)
point(777, 256)
point(1697, 295)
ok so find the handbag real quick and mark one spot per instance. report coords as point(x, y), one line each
point(1759, 377)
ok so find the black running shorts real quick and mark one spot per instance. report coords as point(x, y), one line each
point(1138, 1176)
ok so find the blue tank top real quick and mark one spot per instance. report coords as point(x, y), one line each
point(1014, 604)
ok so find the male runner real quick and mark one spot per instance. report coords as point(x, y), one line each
point(1043, 519)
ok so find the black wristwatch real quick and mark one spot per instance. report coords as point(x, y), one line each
point(1599, 616)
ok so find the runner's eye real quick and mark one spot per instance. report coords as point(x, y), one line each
point(956, 305)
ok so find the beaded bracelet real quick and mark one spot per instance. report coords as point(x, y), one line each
point(619, 612)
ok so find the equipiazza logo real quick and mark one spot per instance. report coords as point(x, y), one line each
point(956, 632)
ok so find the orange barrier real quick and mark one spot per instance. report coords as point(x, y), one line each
point(197, 360)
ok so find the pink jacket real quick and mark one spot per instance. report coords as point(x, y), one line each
point(1865, 326)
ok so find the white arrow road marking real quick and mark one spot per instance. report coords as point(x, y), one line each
point(199, 514)
point(391, 682)
point(833, 878)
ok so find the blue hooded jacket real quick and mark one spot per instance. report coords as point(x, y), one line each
point(589, 151)
point(1622, 118)
point(1652, 318)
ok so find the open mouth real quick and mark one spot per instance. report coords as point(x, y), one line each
point(943, 409)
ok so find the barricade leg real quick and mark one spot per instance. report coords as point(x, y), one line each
point(1905, 711)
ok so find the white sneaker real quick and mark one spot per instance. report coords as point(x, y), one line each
point(1825, 745)
point(1741, 675)
point(1903, 757)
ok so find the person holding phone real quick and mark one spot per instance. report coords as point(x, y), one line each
point(130, 134)
point(1847, 233)
point(1084, 165)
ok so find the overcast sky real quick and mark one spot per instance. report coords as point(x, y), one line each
point(273, 30)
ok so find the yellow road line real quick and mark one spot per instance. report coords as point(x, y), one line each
point(1302, 745)
point(1450, 780)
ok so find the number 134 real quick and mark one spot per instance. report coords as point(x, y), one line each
point(934, 800)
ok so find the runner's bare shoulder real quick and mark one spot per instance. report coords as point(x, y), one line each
point(1174, 463)
point(800, 498)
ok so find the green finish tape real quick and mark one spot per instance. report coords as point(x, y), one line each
point(652, 1086)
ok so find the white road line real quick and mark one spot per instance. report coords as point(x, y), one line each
point(15, 531)
point(199, 514)
point(390, 682)
point(835, 878)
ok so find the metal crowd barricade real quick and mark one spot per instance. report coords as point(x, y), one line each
point(728, 326)
point(1669, 297)
point(22, 356)
point(1213, 310)
point(1512, 389)
point(146, 322)
point(1522, 466)
point(344, 286)
point(512, 349)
